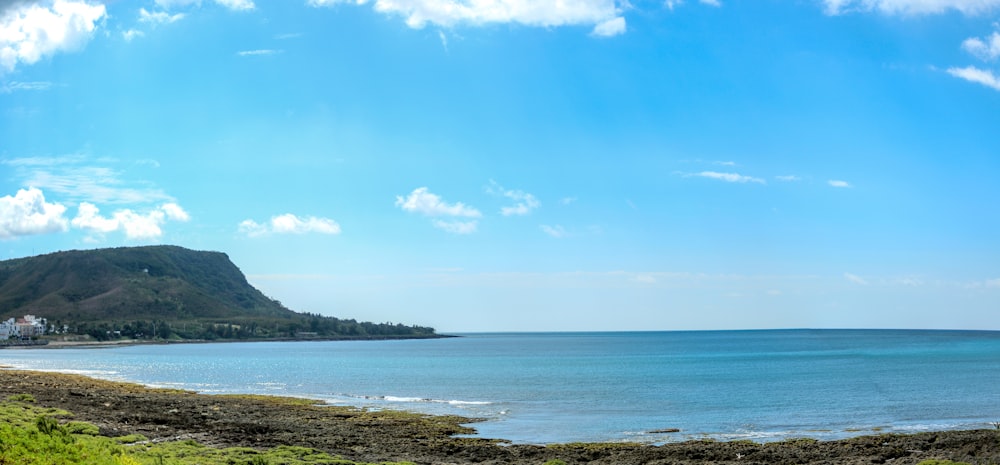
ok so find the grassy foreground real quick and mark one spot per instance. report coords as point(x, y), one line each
point(33, 435)
point(128, 424)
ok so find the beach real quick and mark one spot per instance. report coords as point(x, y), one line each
point(120, 409)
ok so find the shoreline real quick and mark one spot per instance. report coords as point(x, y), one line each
point(357, 434)
point(63, 344)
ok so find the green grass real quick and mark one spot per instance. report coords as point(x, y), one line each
point(35, 435)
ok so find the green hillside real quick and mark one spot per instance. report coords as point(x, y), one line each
point(160, 291)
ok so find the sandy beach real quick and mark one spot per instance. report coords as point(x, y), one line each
point(264, 422)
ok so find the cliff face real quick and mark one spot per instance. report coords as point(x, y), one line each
point(131, 283)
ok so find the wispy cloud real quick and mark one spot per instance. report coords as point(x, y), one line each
point(260, 52)
point(911, 7)
point(555, 231)
point(78, 178)
point(788, 178)
point(131, 34)
point(236, 5)
point(671, 4)
point(855, 279)
point(28, 213)
point(979, 76)
point(839, 184)
point(727, 177)
point(289, 224)
point(444, 40)
point(158, 17)
point(603, 15)
point(524, 202)
point(15, 86)
point(30, 31)
point(456, 227)
point(288, 35)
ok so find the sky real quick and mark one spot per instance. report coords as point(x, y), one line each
point(513, 165)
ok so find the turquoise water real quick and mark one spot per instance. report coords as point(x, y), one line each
point(562, 387)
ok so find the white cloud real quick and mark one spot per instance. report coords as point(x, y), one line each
point(979, 76)
point(602, 14)
point(27, 213)
point(456, 227)
point(525, 202)
point(789, 178)
point(290, 224)
point(711, 2)
point(424, 202)
point(263, 52)
point(987, 49)
point(993, 283)
point(556, 231)
point(175, 212)
point(855, 279)
point(159, 17)
point(728, 177)
point(88, 217)
point(911, 7)
point(136, 226)
point(839, 184)
point(567, 200)
point(252, 228)
point(610, 28)
point(29, 32)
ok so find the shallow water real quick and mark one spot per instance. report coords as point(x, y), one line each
point(564, 387)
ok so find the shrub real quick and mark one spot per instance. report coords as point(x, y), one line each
point(82, 427)
point(21, 398)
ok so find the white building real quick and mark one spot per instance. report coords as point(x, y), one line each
point(29, 326)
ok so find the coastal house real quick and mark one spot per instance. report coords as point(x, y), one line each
point(27, 327)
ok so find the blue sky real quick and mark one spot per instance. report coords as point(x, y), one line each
point(525, 165)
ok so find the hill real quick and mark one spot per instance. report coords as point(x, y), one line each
point(160, 291)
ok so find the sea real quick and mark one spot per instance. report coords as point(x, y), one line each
point(543, 388)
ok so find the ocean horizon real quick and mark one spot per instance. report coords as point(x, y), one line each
point(554, 387)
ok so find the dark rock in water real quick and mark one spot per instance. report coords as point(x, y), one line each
point(665, 431)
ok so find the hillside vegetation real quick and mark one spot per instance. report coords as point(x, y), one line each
point(161, 292)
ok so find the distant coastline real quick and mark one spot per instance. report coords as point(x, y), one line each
point(58, 343)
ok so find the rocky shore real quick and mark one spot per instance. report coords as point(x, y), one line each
point(120, 409)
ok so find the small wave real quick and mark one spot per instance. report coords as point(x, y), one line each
point(102, 374)
point(420, 400)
